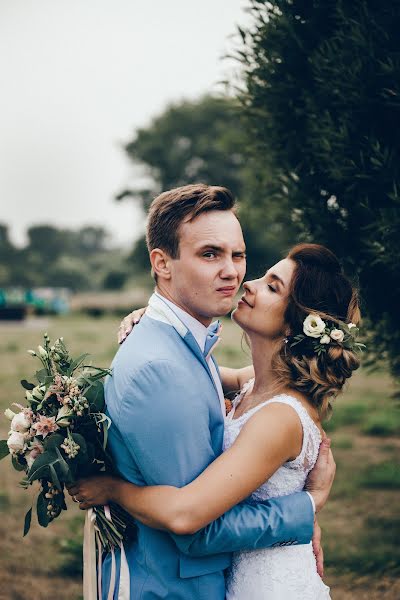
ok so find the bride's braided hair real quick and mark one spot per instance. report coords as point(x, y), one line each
point(318, 286)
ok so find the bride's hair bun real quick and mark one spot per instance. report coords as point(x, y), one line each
point(320, 286)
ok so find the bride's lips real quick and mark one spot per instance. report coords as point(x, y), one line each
point(244, 301)
point(228, 290)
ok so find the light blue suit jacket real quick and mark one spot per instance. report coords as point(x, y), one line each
point(167, 427)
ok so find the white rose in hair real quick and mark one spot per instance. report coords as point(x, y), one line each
point(325, 339)
point(20, 422)
point(313, 326)
point(337, 335)
point(16, 442)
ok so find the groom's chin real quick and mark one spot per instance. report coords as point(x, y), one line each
point(225, 306)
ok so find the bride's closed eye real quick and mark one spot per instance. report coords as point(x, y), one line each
point(271, 287)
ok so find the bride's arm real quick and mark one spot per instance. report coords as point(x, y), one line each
point(232, 379)
point(269, 439)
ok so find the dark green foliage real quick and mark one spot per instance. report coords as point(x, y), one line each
point(385, 475)
point(206, 141)
point(198, 141)
point(115, 279)
point(383, 423)
point(323, 99)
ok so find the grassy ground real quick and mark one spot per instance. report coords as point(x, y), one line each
point(361, 523)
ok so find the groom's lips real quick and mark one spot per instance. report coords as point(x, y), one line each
point(228, 290)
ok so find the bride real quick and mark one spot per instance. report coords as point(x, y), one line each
point(301, 322)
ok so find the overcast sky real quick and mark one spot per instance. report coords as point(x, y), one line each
point(77, 78)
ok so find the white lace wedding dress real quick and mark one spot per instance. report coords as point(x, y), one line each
point(280, 573)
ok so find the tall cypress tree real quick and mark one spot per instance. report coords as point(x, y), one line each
point(323, 96)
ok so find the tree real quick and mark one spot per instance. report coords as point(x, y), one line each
point(322, 94)
point(206, 141)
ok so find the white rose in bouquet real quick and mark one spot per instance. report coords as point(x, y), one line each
point(313, 326)
point(337, 335)
point(20, 422)
point(16, 442)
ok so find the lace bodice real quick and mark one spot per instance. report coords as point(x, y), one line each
point(292, 475)
point(280, 573)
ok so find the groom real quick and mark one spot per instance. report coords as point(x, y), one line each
point(166, 403)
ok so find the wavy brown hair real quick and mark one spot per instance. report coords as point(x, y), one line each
point(319, 286)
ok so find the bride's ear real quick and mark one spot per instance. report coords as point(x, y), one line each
point(160, 263)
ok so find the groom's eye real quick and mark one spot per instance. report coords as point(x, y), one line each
point(210, 254)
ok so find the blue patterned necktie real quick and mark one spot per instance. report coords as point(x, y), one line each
point(212, 338)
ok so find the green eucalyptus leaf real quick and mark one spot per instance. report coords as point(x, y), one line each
point(16, 464)
point(105, 425)
point(77, 362)
point(80, 440)
point(64, 468)
point(26, 385)
point(40, 467)
point(41, 508)
point(53, 441)
point(95, 396)
point(4, 450)
point(27, 522)
point(41, 375)
point(54, 477)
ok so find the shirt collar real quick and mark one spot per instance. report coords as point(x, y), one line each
point(197, 329)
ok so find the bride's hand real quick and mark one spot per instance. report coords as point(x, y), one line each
point(128, 323)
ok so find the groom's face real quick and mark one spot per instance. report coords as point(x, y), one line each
point(211, 265)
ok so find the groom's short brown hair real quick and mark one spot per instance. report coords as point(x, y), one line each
point(171, 208)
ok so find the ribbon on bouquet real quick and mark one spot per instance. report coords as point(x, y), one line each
point(92, 581)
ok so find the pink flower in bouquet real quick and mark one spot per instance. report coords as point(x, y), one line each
point(45, 425)
point(35, 449)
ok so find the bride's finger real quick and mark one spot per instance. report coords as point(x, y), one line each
point(128, 323)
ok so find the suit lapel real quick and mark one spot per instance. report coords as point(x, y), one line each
point(160, 311)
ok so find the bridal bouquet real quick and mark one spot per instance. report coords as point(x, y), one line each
point(61, 435)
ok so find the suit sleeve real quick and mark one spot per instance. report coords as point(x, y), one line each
point(166, 428)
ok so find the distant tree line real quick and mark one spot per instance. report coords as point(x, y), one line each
point(79, 260)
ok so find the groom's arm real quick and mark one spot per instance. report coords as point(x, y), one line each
point(166, 428)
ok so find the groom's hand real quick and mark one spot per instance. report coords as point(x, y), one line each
point(93, 491)
point(320, 479)
point(317, 548)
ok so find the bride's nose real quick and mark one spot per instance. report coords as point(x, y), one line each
point(249, 286)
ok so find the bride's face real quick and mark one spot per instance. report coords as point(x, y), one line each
point(262, 307)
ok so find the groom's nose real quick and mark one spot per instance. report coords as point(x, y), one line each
point(229, 269)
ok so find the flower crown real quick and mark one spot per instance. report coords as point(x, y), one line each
point(319, 334)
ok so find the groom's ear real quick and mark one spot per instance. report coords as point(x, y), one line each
point(160, 263)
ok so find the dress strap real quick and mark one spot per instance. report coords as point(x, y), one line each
point(311, 434)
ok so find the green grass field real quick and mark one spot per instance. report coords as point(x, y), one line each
point(361, 523)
